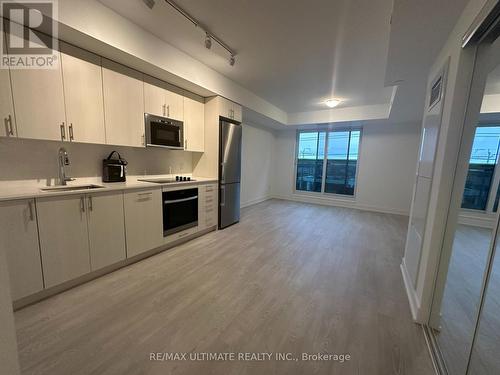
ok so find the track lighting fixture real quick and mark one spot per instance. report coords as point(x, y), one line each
point(149, 3)
point(209, 37)
point(208, 41)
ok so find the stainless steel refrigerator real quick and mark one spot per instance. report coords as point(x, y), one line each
point(229, 173)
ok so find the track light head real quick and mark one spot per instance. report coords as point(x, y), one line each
point(232, 60)
point(149, 3)
point(208, 41)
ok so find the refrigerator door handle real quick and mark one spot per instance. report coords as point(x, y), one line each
point(222, 196)
point(223, 166)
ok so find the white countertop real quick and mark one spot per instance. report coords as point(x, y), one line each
point(25, 189)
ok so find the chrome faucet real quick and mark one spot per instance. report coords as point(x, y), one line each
point(63, 161)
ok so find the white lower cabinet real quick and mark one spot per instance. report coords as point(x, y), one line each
point(143, 220)
point(207, 206)
point(79, 234)
point(51, 240)
point(64, 241)
point(106, 229)
point(19, 236)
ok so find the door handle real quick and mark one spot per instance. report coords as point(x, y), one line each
point(71, 132)
point(168, 110)
point(91, 205)
point(185, 144)
point(222, 196)
point(143, 140)
point(63, 132)
point(163, 109)
point(82, 203)
point(30, 208)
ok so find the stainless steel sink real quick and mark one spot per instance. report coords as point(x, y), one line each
point(55, 189)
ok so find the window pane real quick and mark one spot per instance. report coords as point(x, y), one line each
point(481, 168)
point(310, 161)
point(343, 147)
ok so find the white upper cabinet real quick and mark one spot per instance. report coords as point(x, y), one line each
point(162, 99)
point(8, 125)
point(230, 109)
point(123, 105)
point(8, 121)
point(194, 124)
point(154, 96)
point(39, 103)
point(82, 77)
point(174, 103)
point(237, 112)
point(19, 237)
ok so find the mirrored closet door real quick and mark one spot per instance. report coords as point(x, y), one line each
point(465, 317)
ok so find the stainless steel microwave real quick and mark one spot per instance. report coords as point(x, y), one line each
point(164, 132)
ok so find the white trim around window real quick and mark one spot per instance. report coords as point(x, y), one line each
point(323, 194)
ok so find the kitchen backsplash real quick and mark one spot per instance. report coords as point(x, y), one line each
point(26, 159)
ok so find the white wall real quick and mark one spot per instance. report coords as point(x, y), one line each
point(457, 90)
point(27, 159)
point(387, 163)
point(256, 164)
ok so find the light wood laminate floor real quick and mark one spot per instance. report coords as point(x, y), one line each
point(290, 277)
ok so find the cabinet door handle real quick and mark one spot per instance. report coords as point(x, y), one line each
point(30, 208)
point(91, 205)
point(163, 109)
point(82, 203)
point(71, 132)
point(185, 144)
point(63, 132)
point(143, 140)
point(10, 129)
point(168, 110)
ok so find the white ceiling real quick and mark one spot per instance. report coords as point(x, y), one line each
point(293, 53)
point(419, 30)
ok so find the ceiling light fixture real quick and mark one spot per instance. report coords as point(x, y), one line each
point(208, 35)
point(208, 41)
point(332, 103)
point(149, 3)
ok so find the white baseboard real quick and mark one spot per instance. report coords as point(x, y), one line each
point(410, 292)
point(339, 203)
point(254, 201)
